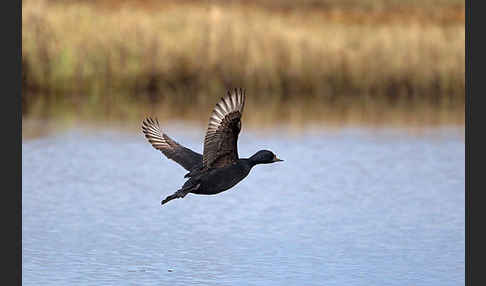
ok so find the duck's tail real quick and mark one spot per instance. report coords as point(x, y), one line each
point(180, 193)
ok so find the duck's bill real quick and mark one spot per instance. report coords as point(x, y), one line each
point(277, 159)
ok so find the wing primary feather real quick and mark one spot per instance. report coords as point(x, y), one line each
point(222, 106)
point(218, 112)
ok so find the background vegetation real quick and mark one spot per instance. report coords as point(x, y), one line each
point(332, 61)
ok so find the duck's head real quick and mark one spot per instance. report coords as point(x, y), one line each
point(264, 157)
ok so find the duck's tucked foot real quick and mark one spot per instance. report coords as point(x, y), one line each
point(179, 194)
point(176, 195)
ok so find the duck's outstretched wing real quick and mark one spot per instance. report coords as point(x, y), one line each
point(220, 143)
point(170, 148)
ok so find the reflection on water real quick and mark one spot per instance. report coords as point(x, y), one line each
point(345, 208)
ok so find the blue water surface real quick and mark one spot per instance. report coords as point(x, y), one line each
point(347, 207)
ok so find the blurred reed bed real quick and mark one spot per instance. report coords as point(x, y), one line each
point(123, 60)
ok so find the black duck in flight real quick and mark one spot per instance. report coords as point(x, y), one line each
point(218, 168)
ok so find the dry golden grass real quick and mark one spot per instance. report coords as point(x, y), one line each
point(109, 59)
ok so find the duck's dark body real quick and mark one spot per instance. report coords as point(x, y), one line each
point(217, 180)
point(218, 168)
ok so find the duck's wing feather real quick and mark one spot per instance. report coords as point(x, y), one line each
point(220, 142)
point(170, 148)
